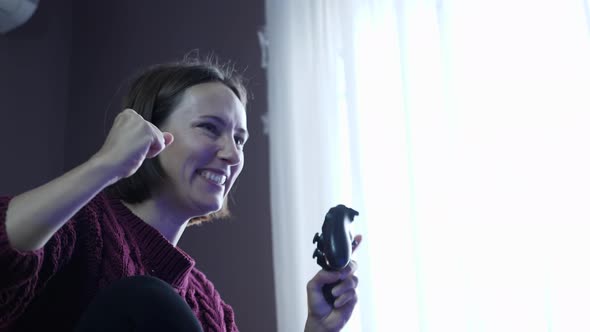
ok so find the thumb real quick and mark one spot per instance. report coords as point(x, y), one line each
point(356, 242)
point(168, 138)
point(159, 144)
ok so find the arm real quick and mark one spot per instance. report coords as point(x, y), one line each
point(36, 239)
point(34, 217)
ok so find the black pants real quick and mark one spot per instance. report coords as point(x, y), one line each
point(139, 304)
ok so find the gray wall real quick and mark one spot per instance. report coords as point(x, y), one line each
point(62, 76)
point(34, 81)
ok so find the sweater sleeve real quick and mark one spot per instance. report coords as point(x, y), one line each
point(230, 320)
point(24, 274)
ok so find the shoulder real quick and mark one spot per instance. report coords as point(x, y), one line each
point(198, 281)
point(102, 212)
point(94, 224)
point(209, 299)
point(90, 217)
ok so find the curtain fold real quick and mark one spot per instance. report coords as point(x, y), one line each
point(304, 121)
point(459, 129)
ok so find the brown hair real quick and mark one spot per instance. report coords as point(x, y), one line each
point(154, 94)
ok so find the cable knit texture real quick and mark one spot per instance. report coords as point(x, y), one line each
point(49, 289)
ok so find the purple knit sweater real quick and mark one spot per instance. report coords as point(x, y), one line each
point(48, 289)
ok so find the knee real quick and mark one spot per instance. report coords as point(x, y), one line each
point(141, 288)
point(142, 303)
point(140, 282)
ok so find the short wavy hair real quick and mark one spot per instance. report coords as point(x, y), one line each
point(154, 94)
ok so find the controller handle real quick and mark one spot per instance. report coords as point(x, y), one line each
point(334, 245)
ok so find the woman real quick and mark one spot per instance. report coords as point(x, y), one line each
point(95, 249)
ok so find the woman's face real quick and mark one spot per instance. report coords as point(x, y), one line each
point(206, 156)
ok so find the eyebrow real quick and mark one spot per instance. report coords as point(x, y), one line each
point(220, 120)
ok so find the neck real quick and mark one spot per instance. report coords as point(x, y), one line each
point(161, 216)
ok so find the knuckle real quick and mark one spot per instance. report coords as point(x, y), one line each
point(351, 282)
point(351, 294)
point(127, 113)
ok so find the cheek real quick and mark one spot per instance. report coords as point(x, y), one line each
point(165, 162)
point(239, 169)
point(173, 160)
point(235, 173)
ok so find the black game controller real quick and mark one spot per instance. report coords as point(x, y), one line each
point(334, 245)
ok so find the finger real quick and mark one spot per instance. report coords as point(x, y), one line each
point(158, 142)
point(345, 285)
point(124, 116)
point(155, 148)
point(349, 298)
point(356, 242)
point(349, 269)
point(321, 278)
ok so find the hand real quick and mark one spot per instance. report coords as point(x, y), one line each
point(321, 315)
point(130, 141)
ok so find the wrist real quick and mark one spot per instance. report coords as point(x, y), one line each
point(102, 169)
point(314, 325)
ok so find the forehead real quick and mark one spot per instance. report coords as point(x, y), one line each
point(213, 99)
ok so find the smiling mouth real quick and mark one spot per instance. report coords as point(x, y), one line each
point(213, 177)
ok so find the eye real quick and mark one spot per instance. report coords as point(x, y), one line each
point(240, 141)
point(210, 127)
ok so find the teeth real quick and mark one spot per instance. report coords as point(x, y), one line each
point(219, 179)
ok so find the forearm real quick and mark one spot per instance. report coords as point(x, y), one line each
point(33, 217)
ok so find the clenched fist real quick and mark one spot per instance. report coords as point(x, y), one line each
point(130, 141)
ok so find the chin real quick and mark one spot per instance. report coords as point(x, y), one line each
point(208, 208)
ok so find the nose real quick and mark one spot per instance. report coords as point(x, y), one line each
point(230, 152)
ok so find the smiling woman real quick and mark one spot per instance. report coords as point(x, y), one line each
point(100, 242)
point(157, 92)
point(207, 157)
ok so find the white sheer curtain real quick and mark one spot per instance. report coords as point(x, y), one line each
point(461, 132)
